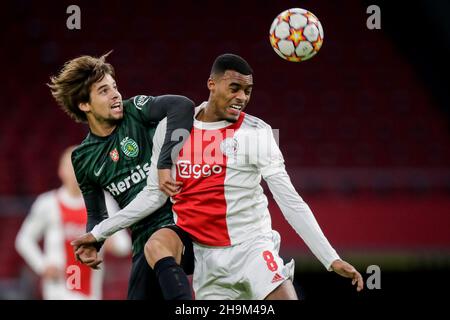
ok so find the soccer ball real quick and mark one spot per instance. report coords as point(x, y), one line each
point(296, 35)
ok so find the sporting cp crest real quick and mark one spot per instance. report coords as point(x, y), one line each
point(129, 147)
point(114, 154)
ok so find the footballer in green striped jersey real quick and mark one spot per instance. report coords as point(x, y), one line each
point(115, 156)
point(119, 163)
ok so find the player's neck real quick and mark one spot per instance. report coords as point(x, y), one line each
point(207, 115)
point(101, 129)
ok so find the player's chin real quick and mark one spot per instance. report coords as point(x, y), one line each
point(232, 118)
point(117, 115)
point(116, 118)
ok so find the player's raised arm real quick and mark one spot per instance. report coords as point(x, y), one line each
point(179, 112)
point(146, 202)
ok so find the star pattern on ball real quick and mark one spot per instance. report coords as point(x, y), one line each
point(285, 16)
point(296, 36)
point(274, 40)
point(294, 58)
point(318, 43)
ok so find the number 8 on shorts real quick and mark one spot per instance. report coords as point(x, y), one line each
point(271, 263)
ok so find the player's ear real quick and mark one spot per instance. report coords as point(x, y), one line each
point(84, 106)
point(211, 83)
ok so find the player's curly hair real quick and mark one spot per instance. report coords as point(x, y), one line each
point(73, 83)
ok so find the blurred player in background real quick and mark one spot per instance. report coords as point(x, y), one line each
point(59, 216)
point(115, 156)
point(221, 204)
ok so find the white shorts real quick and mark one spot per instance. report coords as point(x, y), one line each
point(249, 270)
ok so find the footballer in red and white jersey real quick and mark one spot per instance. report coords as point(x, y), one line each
point(58, 217)
point(220, 165)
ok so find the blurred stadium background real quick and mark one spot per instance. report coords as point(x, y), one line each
point(364, 125)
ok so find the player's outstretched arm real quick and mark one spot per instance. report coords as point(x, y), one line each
point(346, 270)
point(300, 217)
point(269, 160)
point(145, 203)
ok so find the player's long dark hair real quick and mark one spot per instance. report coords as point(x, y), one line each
point(73, 83)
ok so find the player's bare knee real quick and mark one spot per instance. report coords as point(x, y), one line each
point(154, 250)
point(285, 291)
point(163, 243)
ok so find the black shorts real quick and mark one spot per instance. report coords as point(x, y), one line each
point(143, 284)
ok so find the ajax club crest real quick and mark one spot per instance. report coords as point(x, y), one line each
point(229, 147)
